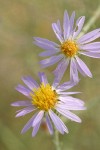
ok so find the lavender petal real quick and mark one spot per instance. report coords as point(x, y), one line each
point(66, 25)
point(43, 78)
point(30, 82)
point(73, 71)
point(28, 125)
point(91, 46)
point(69, 106)
point(49, 125)
point(59, 72)
point(50, 61)
point(38, 118)
point(21, 103)
point(25, 111)
point(66, 86)
point(49, 52)
point(83, 67)
point(79, 25)
point(72, 18)
point(81, 70)
point(89, 36)
point(67, 93)
point(57, 32)
point(25, 91)
point(72, 100)
point(69, 115)
point(45, 44)
point(58, 122)
point(59, 26)
point(91, 54)
point(36, 128)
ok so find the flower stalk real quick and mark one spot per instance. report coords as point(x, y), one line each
point(57, 141)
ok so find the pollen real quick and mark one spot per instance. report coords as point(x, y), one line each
point(69, 48)
point(44, 97)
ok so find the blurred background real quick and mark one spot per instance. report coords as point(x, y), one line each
point(20, 20)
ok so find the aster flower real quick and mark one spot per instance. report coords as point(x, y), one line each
point(44, 101)
point(70, 48)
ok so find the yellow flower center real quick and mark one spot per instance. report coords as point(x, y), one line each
point(69, 48)
point(44, 97)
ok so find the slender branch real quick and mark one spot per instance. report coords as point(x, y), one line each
point(56, 140)
point(91, 21)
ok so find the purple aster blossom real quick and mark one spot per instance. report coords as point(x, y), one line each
point(44, 100)
point(70, 48)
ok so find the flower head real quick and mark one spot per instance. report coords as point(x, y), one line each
point(70, 47)
point(44, 101)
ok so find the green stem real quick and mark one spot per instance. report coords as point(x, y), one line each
point(56, 140)
point(91, 21)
